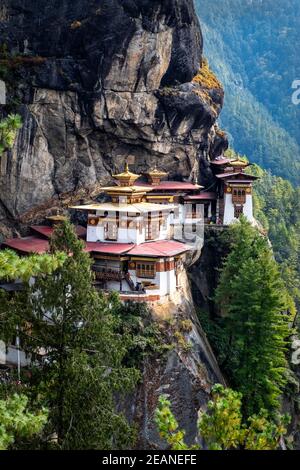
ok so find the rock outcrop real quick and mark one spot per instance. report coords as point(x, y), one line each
point(185, 373)
point(98, 83)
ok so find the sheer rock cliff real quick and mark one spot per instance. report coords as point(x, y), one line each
point(98, 83)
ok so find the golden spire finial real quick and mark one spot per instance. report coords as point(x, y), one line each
point(127, 178)
point(155, 175)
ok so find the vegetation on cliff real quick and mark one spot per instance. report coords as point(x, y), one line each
point(81, 368)
point(257, 67)
point(222, 426)
point(277, 208)
point(206, 78)
point(17, 422)
point(13, 266)
point(256, 310)
point(8, 131)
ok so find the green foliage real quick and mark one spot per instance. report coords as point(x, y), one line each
point(14, 267)
point(254, 304)
point(216, 331)
point(184, 345)
point(17, 422)
point(263, 434)
point(80, 369)
point(147, 337)
point(257, 67)
point(168, 427)
point(277, 207)
point(8, 131)
point(221, 426)
point(206, 78)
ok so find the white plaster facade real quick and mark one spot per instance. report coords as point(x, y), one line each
point(165, 280)
point(129, 234)
point(12, 356)
point(229, 209)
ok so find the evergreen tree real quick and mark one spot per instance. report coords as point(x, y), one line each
point(254, 301)
point(77, 354)
point(17, 422)
point(14, 267)
point(221, 426)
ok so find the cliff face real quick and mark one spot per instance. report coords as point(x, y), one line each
point(99, 82)
point(185, 372)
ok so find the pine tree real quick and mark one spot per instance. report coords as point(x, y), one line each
point(254, 301)
point(8, 131)
point(13, 266)
point(16, 421)
point(77, 354)
point(221, 426)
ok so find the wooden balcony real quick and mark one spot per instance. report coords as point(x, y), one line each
point(106, 274)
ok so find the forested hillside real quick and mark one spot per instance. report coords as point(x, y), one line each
point(277, 209)
point(252, 46)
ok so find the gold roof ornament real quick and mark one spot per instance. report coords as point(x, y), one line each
point(57, 219)
point(155, 175)
point(239, 163)
point(127, 178)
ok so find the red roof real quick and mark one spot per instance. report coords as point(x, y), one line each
point(158, 249)
point(47, 231)
point(108, 248)
point(170, 186)
point(152, 249)
point(221, 161)
point(206, 196)
point(237, 173)
point(28, 245)
point(175, 185)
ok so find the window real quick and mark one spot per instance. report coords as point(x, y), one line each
point(238, 210)
point(239, 196)
point(152, 228)
point(111, 231)
point(146, 270)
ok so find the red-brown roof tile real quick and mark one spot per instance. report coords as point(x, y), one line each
point(47, 231)
point(202, 196)
point(28, 245)
point(159, 249)
point(108, 248)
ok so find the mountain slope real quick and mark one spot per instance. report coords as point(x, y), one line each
point(251, 46)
